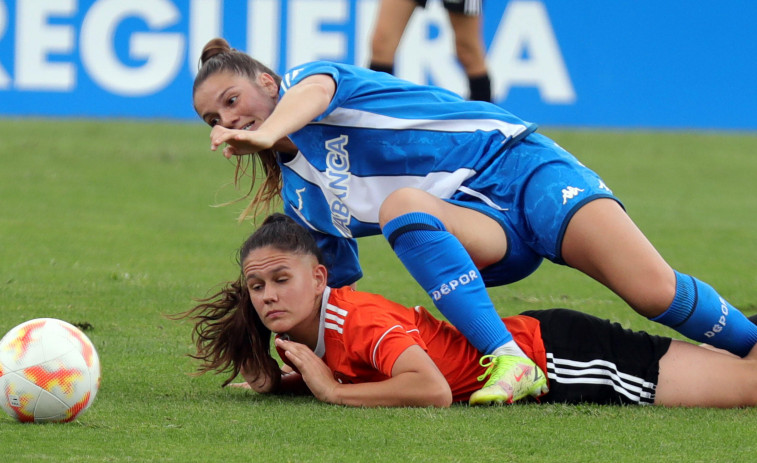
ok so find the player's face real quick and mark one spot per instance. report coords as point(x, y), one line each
point(286, 291)
point(234, 101)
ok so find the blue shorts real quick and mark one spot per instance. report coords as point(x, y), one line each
point(532, 191)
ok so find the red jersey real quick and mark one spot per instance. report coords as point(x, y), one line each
point(361, 335)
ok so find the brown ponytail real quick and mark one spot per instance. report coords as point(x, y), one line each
point(212, 48)
point(218, 56)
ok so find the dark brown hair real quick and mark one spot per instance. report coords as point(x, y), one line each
point(218, 56)
point(228, 333)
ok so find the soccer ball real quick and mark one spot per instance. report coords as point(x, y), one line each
point(49, 371)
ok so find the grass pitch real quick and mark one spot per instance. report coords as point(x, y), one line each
point(110, 223)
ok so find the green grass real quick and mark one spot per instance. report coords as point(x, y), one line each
point(111, 224)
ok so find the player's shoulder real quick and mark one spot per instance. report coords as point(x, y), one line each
point(351, 299)
point(349, 316)
point(362, 305)
point(334, 69)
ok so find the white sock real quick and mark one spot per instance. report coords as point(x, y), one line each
point(509, 348)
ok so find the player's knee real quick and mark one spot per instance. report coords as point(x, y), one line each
point(467, 54)
point(403, 201)
point(653, 293)
point(470, 52)
point(380, 52)
point(383, 48)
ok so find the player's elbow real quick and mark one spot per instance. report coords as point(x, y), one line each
point(445, 401)
point(440, 395)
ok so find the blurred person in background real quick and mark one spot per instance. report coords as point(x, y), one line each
point(465, 18)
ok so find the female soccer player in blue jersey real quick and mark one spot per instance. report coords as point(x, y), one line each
point(467, 194)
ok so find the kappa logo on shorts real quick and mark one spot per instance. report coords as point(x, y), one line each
point(570, 193)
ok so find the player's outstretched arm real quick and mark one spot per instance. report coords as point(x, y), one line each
point(415, 381)
point(300, 105)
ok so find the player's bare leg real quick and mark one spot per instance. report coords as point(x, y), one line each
point(391, 20)
point(469, 47)
point(693, 376)
point(603, 242)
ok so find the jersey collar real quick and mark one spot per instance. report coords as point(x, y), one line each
point(320, 348)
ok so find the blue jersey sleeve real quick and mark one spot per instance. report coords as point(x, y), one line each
point(349, 81)
point(299, 73)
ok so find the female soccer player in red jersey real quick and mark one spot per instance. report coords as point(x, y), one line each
point(356, 348)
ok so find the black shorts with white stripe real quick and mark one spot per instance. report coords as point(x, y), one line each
point(466, 7)
point(591, 360)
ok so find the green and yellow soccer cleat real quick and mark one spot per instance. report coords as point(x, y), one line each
point(511, 378)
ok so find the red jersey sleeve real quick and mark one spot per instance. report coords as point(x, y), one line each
point(376, 332)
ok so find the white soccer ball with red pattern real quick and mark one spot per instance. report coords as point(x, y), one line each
point(49, 371)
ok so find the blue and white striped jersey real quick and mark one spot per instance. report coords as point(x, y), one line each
point(381, 133)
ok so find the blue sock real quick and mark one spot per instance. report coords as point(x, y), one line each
point(701, 314)
point(442, 266)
